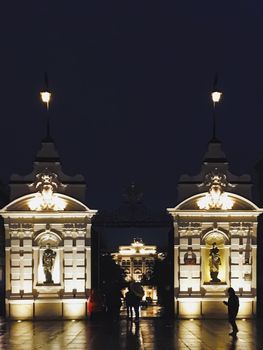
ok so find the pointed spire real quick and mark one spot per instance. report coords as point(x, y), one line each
point(48, 152)
point(215, 154)
point(216, 96)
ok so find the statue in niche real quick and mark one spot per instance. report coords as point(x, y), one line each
point(48, 260)
point(214, 262)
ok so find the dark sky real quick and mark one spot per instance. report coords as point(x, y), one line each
point(131, 83)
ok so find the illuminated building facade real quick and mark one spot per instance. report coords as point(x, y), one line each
point(215, 240)
point(47, 242)
point(138, 260)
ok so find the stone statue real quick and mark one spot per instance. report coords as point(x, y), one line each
point(48, 260)
point(214, 262)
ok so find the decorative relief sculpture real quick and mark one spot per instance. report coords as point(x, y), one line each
point(45, 199)
point(48, 260)
point(190, 257)
point(216, 198)
point(214, 263)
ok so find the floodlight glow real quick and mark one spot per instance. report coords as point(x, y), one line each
point(46, 201)
point(215, 199)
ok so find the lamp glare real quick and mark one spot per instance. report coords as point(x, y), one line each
point(216, 96)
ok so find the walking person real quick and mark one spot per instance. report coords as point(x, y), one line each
point(233, 306)
point(137, 294)
point(129, 298)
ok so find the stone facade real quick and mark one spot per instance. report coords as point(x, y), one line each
point(41, 216)
point(215, 215)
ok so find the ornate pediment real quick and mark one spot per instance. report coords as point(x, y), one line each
point(22, 204)
point(215, 200)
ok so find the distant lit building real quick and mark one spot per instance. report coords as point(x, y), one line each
point(137, 261)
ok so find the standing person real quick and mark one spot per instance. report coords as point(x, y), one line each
point(233, 306)
point(129, 297)
point(95, 305)
point(113, 301)
point(137, 294)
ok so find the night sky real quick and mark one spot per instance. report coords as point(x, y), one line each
point(131, 83)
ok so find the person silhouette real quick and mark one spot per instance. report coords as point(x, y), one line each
point(129, 302)
point(137, 293)
point(233, 306)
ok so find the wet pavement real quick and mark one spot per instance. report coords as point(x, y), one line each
point(148, 334)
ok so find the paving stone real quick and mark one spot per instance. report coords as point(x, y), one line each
point(149, 334)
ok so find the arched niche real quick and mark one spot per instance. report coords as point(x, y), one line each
point(215, 257)
point(44, 237)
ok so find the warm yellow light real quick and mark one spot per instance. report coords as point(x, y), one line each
point(127, 251)
point(141, 251)
point(19, 321)
point(216, 96)
point(46, 201)
point(137, 244)
point(215, 199)
point(190, 309)
point(45, 97)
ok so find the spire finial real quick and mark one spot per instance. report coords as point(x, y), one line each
point(216, 96)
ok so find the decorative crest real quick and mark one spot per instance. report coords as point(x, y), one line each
point(215, 198)
point(215, 178)
point(46, 184)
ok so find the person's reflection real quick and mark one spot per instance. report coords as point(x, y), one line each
point(233, 344)
point(133, 340)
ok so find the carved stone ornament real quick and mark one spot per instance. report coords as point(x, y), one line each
point(189, 257)
point(215, 198)
point(46, 184)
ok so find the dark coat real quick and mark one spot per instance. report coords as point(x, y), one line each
point(233, 305)
point(132, 299)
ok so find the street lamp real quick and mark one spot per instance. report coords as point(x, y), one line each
point(46, 94)
point(216, 96)
point(46, 97)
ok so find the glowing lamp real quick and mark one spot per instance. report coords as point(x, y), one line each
point(216, 96)
point(45, 97)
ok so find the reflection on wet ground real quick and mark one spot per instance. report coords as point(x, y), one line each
point(147, 334)
point(145, 312)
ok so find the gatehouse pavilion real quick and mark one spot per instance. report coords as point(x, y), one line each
point(48, 231)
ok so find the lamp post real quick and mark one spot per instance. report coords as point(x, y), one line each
point(46, 97)
point(216, 96)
